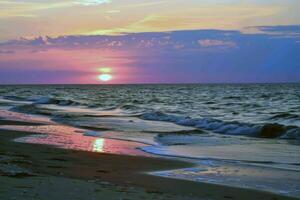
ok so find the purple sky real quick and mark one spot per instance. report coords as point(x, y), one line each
point(199, 56)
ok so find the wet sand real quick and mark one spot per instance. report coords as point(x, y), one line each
point(34, 171)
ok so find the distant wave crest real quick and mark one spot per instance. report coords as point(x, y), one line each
point(62, 102)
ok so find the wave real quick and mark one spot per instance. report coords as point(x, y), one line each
point(128, 107)
point(44, 100)
point(32, 109)
point(285, 116)
point(267, 130)
point(61, 102)
point(158, 150)
point(14, 98)
point(229, 128)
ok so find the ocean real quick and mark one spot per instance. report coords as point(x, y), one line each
point(243, 135)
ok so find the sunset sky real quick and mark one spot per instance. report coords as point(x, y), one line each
point(149, 41)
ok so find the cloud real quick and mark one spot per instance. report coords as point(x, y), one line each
point(281, 31)
point(92, 2)
point(137, 5)
point(70, 17)
point(288, 31)
point(113, 11)
point(194, 40)
point(216, 43)
point(200, 17)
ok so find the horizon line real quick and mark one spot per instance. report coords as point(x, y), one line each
point(111, 84)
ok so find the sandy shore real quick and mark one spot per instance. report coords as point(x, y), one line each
point(33, 171)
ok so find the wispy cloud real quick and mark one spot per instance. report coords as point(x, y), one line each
point(288, 31)
point(92, 2)
point(69, 17)
point(147, 4)
point(193, 18)
point(12, 8)
point(113, 11)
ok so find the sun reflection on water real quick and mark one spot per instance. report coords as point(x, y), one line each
point(98, 145)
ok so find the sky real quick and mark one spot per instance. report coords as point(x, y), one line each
point(149, 41)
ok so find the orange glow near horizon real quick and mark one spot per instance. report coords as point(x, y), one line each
point(105, 69)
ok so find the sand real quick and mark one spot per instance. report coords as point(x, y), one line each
point(34, 171)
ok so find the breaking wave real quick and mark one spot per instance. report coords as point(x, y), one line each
point(268, 130)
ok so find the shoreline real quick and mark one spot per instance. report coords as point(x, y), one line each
point(98, 169)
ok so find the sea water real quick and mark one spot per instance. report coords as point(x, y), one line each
point(243, 135)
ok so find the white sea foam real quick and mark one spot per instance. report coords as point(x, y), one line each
point(260, 178)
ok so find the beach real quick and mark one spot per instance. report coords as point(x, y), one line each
point(35, 171)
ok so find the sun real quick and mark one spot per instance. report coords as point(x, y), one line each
point(105, 77)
